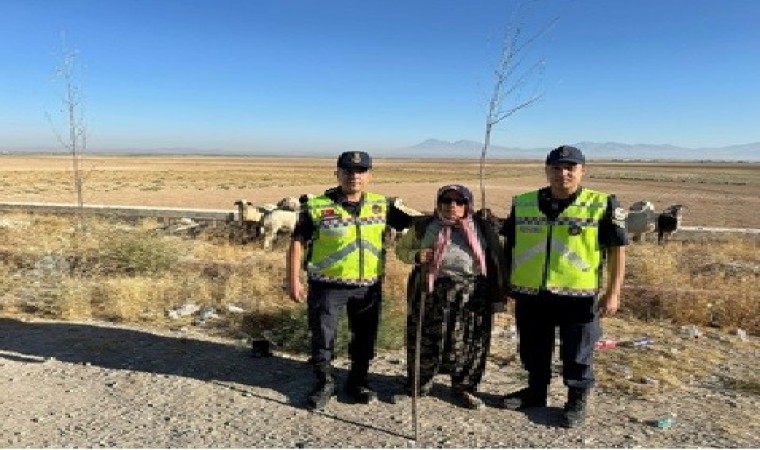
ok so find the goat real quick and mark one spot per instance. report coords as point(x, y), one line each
point(277, 221)
point(669, 221)
point(303, 198)
point(640, 220)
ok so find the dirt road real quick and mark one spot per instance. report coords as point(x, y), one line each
point(96, 385)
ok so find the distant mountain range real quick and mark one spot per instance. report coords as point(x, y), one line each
point(593, 151)
point(434, 148)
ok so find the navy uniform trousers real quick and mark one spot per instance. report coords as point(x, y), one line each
point(537, 316)
point(325, 302)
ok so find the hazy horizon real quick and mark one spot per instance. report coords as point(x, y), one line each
point(462, 149)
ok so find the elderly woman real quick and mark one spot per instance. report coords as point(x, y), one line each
point(458, 271)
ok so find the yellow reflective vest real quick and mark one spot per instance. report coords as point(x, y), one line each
point(347, 249)
point(560, 256)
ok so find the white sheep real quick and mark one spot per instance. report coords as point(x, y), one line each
point(399, 203)
point(289, 204)
point(277, 221)
point(641, 219)
point(250, 218)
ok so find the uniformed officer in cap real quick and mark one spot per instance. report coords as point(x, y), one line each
point(342, 234)
point(558, 239)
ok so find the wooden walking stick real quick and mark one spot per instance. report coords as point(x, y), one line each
point(417, 351)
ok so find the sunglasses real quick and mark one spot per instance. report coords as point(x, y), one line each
point(456, 201)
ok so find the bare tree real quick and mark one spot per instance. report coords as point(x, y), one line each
point(511, 77)
point(69, 74)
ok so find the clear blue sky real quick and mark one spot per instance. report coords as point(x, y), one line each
point(333, 75)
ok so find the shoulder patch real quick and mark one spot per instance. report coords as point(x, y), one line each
point(619, 214)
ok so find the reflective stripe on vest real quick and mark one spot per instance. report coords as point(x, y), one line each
point(346, 249)
point(560, 256)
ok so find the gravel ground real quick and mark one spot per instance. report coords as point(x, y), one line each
point(97, 385)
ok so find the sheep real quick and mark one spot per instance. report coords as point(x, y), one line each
point(294, 203)
point(642, 205)
point(249, 219)
point(277, 221)
point(249, 215)
point(640, 220)
point(399, 203)
point(289, 204)
point(669, 221)
point(391, 235)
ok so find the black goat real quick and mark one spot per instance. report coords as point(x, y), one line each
point(668, 222)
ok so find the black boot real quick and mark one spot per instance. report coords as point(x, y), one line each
point(467, 398)
point(356, 385)
point(575, 408)
point(324, 388)
point(534, 396)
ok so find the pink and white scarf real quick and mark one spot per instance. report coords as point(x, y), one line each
point(467, 225)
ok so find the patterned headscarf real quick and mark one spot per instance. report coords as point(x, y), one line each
point(443, 239)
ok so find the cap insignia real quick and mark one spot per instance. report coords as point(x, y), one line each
point(356, 158)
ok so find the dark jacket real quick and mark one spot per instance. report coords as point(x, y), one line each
point(409, 245)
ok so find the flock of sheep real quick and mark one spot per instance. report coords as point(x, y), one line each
point(642, 219)
point(269, 220)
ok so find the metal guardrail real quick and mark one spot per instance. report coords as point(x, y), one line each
point(230, 215)
point(695, 233)
point(694, 229)
point(123, 211)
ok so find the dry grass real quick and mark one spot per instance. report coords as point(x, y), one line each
point(673, 361)
point(696, 282)
point(134, 273)
point(36, 280)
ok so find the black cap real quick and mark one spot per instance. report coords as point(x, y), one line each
point(466, 193)
point(354, 160)
point(565, 154)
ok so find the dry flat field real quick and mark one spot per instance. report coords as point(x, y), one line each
point(718, 194)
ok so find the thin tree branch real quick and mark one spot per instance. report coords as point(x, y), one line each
point(509, 82)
